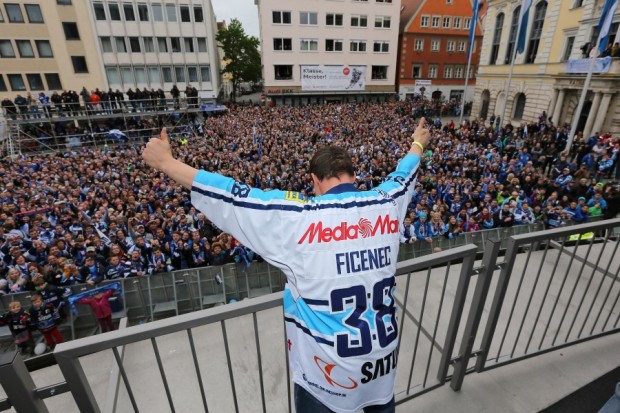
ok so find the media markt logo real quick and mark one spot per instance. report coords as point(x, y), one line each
point(329, 373)
point(346, 231)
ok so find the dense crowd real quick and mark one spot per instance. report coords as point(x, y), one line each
point(94, 214)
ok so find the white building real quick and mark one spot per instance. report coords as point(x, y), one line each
point(325, 50)
point(157, 44)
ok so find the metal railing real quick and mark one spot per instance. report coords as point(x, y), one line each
point(552, 289)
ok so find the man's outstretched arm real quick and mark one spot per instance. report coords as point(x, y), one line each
point(159, 156)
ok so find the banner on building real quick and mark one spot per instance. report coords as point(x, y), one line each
point(423, 87)
point(333, 77)
point(602, 65)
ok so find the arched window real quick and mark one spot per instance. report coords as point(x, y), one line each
point(519, 106)
point(536, 33)
point(484, 109)
point(497, 38)
point(512, 39)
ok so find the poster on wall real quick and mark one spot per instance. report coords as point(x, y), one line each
point(423, 87)
point(333, 77)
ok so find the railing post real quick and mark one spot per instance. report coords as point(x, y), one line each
point(18, 385)
point(455, 317)
point(73, 372)
point(489, 260)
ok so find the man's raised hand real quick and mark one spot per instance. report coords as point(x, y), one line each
point(157, 151)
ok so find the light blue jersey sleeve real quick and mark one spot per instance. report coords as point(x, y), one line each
point(401, 183)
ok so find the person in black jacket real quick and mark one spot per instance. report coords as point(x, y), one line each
point(175, 92)
point(17, 319)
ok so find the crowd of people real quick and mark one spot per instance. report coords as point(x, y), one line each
point(102, 214)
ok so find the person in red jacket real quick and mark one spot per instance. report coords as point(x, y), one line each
point(101, 306)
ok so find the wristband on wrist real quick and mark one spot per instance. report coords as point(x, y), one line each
point(419, 145)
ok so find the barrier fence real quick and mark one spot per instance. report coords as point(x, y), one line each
point(550, 290)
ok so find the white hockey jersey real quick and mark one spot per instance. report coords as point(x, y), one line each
point(339, 253)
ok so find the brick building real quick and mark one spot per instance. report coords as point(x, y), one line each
point(433, 48)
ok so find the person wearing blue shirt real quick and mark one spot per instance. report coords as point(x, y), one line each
point(423, 229)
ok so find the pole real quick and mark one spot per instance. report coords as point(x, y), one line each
point(512, 67)
point(471, 52)
point(582, 99)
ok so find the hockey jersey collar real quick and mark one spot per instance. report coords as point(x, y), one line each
point(342, 188)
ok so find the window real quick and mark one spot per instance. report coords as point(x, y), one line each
point(382, 22)
point(281, 17)
point(205, 73)
point(179, 72)
point(175, 45)
point(130, 14)
point(512, 38)
point(379, 72)
point(115, 12)
point(283, 72)
point(6, 49)
point(449, 2)
point(140, 75)
point(416, 71)
point(99, 11)
point(424, 21)
point(14, 14)
point(497, 38)
point(71, 31)
point(202, 45)
point(171, 13)
point(2, 21)
point(333, 19)
point(192, 74)
point(451, 46)
point(519, 106)
point(466, 23)
point(16, 82)
point(471, 71)
point(432, 71)
point(383, 1)
point(332, 45)
point(357, 46)
point(63, 2)
point(435, 22)
point(166, 72)
point(53, 81)
point(2, 84)
point(34, 81)
point(380, 47)
point(79, 64)
point(359, 20)
point(185, 16)
point(568, 48)
point(536, 32)
point(578, 3)
point(44, 48)
point(458, 72)
point(447, 22)
point(456, 23)
point(447, 72)
point(149, 46)
point(143, 12)
point(134, 45)
point(121, 46)
point(127, 76)
point(308, 18)
point(34, 13)
point(282, 44)
point(154, 75)
point(418, 45)
point(198, 15)
point(462, 46)
point(162, 45)
point(25, 48)
point(158, 14)
point(188, 43)
point(308, 45)
point(435, 45)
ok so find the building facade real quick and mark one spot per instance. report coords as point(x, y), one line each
point(558, 30)
point(433, 50)
point(69, 44)
point(328, 50)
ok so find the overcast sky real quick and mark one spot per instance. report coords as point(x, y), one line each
point(244, 10)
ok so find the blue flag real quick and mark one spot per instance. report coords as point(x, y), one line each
point(523, 19)
point(605, 23)
point(472, 27)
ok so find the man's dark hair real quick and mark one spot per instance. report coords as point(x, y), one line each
point(331, 162)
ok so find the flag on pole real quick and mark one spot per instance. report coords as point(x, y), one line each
point(472, 27)
point(523, 19)
point(605, 23)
